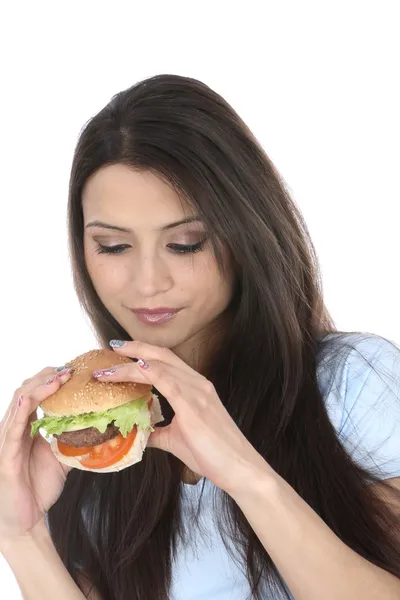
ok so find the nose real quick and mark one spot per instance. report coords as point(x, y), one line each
point(151, 275)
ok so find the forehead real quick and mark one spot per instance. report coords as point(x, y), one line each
point(116, 191)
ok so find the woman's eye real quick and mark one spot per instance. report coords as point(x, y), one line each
point(101, 249)
point(185, 248)
point(176, 248)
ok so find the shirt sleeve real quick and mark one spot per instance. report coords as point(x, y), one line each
point(366, 411)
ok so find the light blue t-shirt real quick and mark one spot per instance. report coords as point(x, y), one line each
point(364, 407)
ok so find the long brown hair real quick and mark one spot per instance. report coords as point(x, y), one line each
point(122, 529)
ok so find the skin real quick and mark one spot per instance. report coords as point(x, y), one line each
point(31, 478)
point(313, 561)
point(309, 556)
point(148, 274)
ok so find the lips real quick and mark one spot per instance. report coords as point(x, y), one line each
point(162, 310)
point(155, 316)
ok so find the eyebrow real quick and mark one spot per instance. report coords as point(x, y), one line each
point(126, 230)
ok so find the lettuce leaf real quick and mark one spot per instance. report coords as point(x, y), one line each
point(126, 416)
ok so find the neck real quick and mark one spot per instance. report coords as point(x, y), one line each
point(190, 476)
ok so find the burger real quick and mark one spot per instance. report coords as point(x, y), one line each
point(95, 425)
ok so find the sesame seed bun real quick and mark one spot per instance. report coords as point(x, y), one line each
point(82, 393)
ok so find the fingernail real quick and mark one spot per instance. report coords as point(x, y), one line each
point(63, 368)
point(49, 381)
point(63, 372)
point(117, 343)
point(104, 372)
point(20, 397)
point(143, 364)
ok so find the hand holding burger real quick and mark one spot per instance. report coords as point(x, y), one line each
point(31, 478)
point(201, 434)
point(95, 425)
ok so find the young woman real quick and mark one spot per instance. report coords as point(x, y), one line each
point(276, 475)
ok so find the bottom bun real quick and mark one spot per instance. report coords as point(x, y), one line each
point(134, 455)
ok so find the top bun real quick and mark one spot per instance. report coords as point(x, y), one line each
point(82, 393)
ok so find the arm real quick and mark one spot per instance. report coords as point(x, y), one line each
point(314, 562)
point(39, 570)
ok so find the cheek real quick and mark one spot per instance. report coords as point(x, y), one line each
point(106, 277)
point(209, 286)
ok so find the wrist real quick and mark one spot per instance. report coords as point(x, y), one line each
point(38, 536)
point(253, 481)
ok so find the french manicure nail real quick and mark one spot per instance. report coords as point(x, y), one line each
point(117, 343)
point(143, 364)
point(64, 372)
point(104, 372)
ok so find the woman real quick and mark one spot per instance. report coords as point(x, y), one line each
point(277, 473)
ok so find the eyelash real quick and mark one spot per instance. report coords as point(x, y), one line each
point(176, 248)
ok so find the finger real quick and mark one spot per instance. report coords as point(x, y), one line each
point(45, 385)
point(56, 376)
point(40, 378)
point(121, 373)
point(135, 349)
point(172, 382)
point(48, 380)
point(12, 406)
point(24, 404)
point(43, 375)
point(9, 415)
point(45, 371)
point(178, 386)
point(15, 408)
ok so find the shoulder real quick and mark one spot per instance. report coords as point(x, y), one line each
point(359, 377)
point(348, 361)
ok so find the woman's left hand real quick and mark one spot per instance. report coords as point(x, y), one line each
point(202, 434)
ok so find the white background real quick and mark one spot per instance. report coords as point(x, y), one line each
point(317, 82)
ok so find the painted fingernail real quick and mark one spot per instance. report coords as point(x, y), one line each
point(49, 381)
point(117, 343)
point(63, 372)
point(63, 368)
point(104, 372)
point(20, 398)
point(143, 364)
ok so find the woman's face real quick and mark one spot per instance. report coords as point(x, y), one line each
point(159, 264)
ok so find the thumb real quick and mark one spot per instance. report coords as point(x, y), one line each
point(43, 448)
point(161, 439)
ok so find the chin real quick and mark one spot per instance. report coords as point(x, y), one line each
point(168, 335)
point(163, 339)
point(165, 336)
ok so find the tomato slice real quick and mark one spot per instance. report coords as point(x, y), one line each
point(110, 452)
point(72, 450)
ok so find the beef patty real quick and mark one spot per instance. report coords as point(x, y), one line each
point(87, 437)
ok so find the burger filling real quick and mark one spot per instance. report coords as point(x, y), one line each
point(87, 437)
point(103, 455)
point(123, 418)
point(98, 439)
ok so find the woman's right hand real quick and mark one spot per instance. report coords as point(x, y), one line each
point(31, 478)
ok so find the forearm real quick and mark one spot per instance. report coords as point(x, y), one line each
point(39, 570)
point(313, 561)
